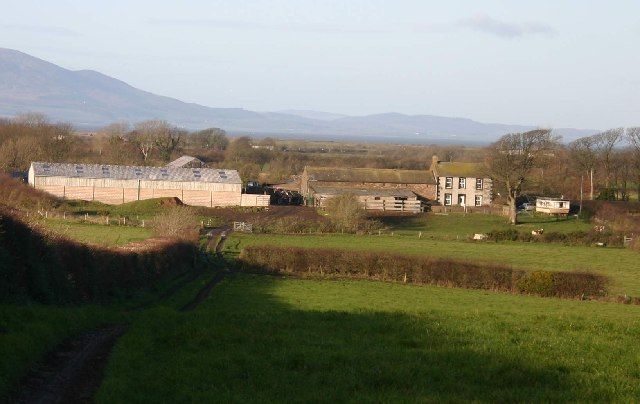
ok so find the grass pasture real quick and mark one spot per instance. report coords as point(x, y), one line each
point(621, 265)
point(269, 339)
point(459, 225)
point(97, 234)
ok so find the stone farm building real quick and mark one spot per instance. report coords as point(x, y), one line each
point(461, 183)
point(114, 184)
point(377, 189)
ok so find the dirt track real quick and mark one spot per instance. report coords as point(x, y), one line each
point(73, 371)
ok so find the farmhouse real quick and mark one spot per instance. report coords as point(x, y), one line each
point(462, 184)
point(377, 189)
point(114, 184)
point(553, 206)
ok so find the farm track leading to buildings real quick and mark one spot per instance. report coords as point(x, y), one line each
point(74, 370)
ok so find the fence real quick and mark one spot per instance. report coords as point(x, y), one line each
point(255, 200)
point(494, 210)
point(413, 206)
point(243, 227)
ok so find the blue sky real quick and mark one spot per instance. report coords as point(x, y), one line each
point(552, 63)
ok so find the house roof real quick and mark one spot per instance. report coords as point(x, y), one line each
point(379, 175)
point(389, 192)
point(455, 169)
point(183, 161)
point(79, 170)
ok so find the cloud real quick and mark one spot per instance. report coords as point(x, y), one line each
point(504, 29)
point(40, 29)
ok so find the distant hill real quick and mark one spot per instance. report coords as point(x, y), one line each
point(88, 98)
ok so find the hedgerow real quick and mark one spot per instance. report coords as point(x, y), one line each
point(336, 263)
point(54, 270)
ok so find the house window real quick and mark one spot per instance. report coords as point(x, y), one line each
point(478, 200)
point(462, 183)
point(448, 182)
point(447, 199)
point(462, 200)
point(479, 183)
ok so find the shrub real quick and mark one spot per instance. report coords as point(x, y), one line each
point(177, 222)
point(336, 263)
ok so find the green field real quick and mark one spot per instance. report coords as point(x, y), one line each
point(29, 331)
point(103, 235)
point(621, 265)
point(458, 225)
point(269, 339)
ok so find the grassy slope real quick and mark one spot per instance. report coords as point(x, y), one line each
point(27, 332)
point(288, 340)
point(619, 264)
point(102, 235)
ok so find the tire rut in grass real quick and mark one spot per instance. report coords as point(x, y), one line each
point(73, 371)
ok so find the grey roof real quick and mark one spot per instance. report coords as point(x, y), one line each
point(183, 161)
point(81, 170)
point(383, 192)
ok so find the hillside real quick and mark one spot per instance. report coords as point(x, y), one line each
point(89, 99)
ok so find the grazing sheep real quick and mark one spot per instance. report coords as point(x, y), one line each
point(537, 232)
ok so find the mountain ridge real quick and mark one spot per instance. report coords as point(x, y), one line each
point(90, 98)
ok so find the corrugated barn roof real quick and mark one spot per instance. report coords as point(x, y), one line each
point(135, 172)
point(371, 175)
point(183, 161)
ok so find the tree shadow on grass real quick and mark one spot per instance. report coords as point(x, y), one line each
point(246, 344)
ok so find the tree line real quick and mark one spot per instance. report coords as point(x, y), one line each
point(603, 166)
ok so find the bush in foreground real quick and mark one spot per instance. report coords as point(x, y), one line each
point(335, 263)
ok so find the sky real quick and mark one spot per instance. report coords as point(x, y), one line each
point(548, 62)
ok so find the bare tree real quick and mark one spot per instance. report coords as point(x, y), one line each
point(149, 135)
point(513, 157)
point(603, 145)
point(583, 157)
point(633, 136)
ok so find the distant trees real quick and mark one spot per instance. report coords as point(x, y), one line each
point(32, 137)
point(513, 157)
point(210, 138)
point(157, 134)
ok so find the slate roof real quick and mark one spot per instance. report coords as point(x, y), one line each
point(455, 169)
point(80, 170)
point(393, 192)
point(183, 161)
point(373, 175)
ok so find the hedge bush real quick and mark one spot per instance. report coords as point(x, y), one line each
point(572, 238)
point(47, 269)
point(336, 263)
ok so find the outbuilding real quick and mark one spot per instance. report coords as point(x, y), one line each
point(553, 206)
point(115, 184)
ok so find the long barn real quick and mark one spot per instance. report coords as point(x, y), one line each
point(115, 184)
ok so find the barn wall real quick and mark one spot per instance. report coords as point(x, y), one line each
point(121, 191)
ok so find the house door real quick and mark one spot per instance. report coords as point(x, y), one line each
point(462, 200)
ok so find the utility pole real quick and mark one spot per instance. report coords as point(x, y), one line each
point(581, 182)
point(591, 187)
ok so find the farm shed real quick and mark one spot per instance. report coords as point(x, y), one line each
point(553, 206)
point(387, 199)
point(463, 184)
point(421, 183)
point(187, 162)
point(118, 184)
